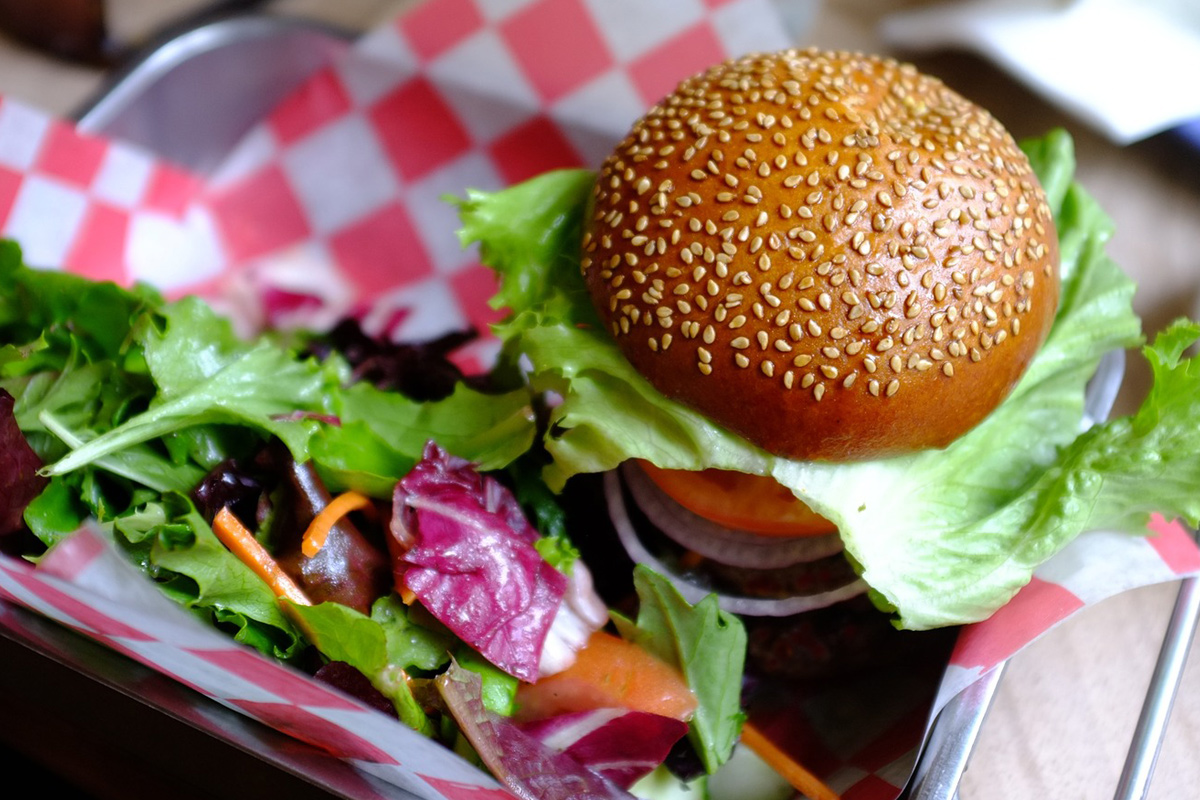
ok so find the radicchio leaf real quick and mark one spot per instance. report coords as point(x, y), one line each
point(621, 744)
point(19, 479)
point(462, 545)
point(526, 767)
point(348, 679)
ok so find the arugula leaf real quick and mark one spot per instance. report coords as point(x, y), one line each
point(707, 645)
point(369, 645)
point(205, 376)
point(258, 387)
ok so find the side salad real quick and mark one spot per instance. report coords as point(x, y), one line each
point(361, 511)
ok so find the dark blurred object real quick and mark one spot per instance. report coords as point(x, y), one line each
point(82, 722)
point(77, 30)
point(70, 29)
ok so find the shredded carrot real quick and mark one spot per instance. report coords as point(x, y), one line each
point(323, 522)
point(800, 778)
point(407, 595)
point(241, 542)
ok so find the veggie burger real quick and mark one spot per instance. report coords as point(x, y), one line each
point(831, 255)
point(833, 327)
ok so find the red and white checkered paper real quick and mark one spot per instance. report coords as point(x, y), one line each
point(334, 205)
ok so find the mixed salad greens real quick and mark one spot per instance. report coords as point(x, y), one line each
point(444, 587)
point(304, 493)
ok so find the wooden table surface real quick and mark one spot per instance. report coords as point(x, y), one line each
point(1066, 708)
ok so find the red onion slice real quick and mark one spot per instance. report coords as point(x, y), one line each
point(736, 548)
point(751, 606)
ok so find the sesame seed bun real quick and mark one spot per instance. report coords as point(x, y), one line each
point(828, 253)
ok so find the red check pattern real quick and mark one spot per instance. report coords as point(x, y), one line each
point(456, 93)
point(79, 203)
point(79, 585)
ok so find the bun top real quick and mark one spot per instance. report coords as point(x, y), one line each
point(828, 253)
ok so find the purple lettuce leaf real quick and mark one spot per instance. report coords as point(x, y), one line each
point(462, 545)
point(526, 767)
point(19, 478)
point(419, 370)
point(618, 743)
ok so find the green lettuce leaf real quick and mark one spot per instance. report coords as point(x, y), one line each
point(942, 536)
point(175, 545)
point(373, 645)
point(707, 646)
point(205, 376)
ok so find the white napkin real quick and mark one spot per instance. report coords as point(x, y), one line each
point(1129, 68)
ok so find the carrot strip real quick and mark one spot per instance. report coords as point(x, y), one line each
point(241, 542)
point(800, 778)
point(323, 522)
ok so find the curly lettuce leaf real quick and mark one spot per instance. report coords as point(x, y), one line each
point(175, 545)
point(942, 536)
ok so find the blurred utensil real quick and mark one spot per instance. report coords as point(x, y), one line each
point(165, 100)
point(1160, 696)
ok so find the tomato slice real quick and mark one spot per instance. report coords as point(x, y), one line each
point(608, 672)
point(737, 500)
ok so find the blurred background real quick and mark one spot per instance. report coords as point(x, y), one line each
point(1068, 704)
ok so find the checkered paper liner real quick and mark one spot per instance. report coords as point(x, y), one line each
point(334, 205)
